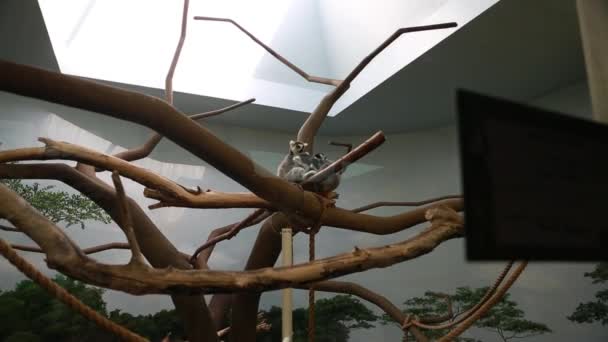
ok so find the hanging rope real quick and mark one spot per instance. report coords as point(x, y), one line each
point(64, 296)
point(487, 306)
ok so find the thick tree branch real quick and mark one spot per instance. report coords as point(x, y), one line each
point(275, 54)
point(309, 129)
point(166, 120)
point(334, 217)
point(157, 249)
point(64, 255)
point(164, 188)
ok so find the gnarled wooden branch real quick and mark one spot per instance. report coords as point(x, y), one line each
point(157, 249)
point(332, 216)
point(164, 188)
point(64, 255)
point(309, 78)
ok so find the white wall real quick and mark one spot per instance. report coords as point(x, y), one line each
point(411, 166)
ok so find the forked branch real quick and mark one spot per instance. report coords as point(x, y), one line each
point(126, 222)
point(65, 256)
point(309, 129)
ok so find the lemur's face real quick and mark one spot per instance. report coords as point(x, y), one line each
point(297, 147)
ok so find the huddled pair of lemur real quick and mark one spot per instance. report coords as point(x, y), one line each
point(299, 165)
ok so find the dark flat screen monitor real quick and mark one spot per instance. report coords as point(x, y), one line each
point(535, 182)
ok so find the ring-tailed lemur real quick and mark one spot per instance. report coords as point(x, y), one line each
point(299, 165)
point(330, 183)
point(296, 167)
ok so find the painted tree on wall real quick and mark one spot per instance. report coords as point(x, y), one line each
point(505, 319)
point(156, 266)
point(595, 311)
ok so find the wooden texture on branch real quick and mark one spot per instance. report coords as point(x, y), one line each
point(309, 78)
point(63, 255)
point(169, 191)
point(164, 189)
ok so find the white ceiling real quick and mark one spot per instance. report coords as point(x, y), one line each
point(132, 42)
point(517, 49)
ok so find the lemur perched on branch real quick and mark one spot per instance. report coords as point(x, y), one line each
point(299, 165)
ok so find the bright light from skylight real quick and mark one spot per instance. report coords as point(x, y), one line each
point(132, 41)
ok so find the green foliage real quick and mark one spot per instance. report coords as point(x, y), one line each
point(334, 319)
point(596, 311)
point(58, 206)
point(505, 318)
point(29, 313)
point(28, 310)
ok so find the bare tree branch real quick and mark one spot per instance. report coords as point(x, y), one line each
point(166, 189)
point(308, 202)
point(90, 250)
point(403, 204)
point(248, 221)
point(309, 129)
point(275, 54)
point(366, 294)
point(126, 222)
point(64, 255)
point(157, 249)
point(349, 147)
point(205, 254)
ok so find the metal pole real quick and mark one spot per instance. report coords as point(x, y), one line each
point(287, 312)
point(593, 22)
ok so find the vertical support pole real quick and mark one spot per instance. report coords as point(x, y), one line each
point(593, 22)
point(287, 313)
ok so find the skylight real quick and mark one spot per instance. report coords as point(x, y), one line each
point(132, 41)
